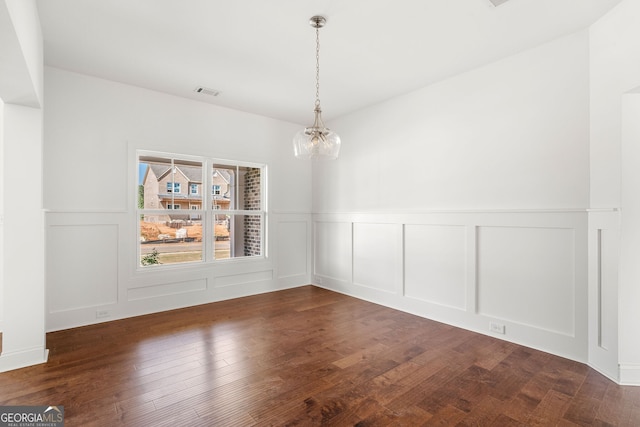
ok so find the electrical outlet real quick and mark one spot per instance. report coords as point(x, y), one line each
point(318, 280)
point(102, 314)
point(498, 328)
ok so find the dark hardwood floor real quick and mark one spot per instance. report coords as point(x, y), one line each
point(308, 356)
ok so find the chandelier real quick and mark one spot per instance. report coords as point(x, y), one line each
point(317, 141)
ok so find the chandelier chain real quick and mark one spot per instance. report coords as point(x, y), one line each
point(316, 141)
point(318, 67)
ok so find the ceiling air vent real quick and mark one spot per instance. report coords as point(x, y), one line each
point(207, 91)
point(497, 3)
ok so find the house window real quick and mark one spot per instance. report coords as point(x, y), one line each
point(175, 188)
point(229, 223)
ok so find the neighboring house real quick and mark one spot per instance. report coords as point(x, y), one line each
point(183, 189)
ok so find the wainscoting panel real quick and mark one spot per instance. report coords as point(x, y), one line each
point(435, 264)
point(169, 289)
point(90, 251)
point(604, 258)
point(243, 278)
point(332, 249)
point(607, 288)
point(376, 256)
point(292, 249)
point(526, 275)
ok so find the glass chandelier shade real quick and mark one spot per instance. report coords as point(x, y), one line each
point(317, 142)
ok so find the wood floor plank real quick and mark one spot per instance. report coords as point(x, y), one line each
point(584, 407)
point(550, 410)
point(359, 356)
point(308, 356)
point(484, 412)
point(447, 416)
point(289, 405)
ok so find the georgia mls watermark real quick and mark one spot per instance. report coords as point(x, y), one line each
point(31, 416)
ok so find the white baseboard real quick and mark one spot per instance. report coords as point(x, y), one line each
point(613, 375)
point(630, 375)
point(22, 359)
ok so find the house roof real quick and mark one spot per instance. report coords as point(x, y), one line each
point(192, 173)
point(158, 170)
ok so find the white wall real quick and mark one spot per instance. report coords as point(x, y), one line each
point(615, 77)
point(22, 235)
point(1, 216)
point(629, 280)
point(92, 129)
point(466, 201)
point(21, 47)
point(24, 292)
point(615, 70)
point(512, 135)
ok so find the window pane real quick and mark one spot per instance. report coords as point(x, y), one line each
point(238, 236)
point(164, 183)
point(222, 187)
point(236, 188)
point(222, 244)
point(164, 239)
point(170, 237)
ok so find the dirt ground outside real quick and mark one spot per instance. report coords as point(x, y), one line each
point(152, 230)
point(179, 252)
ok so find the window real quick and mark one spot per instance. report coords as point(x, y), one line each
point(239, 230)
point(175, 188)
point(226, 224)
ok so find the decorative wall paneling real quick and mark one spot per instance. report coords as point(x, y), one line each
point(518, 275)
point(294, 249)
point(92, 276)
point(604, 248)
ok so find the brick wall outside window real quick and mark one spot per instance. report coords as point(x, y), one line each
point(252, 226)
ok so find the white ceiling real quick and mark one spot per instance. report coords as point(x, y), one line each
point(260, 54)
